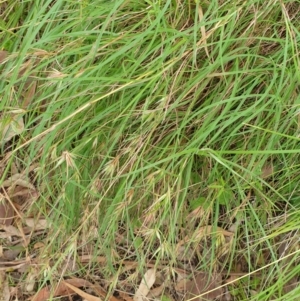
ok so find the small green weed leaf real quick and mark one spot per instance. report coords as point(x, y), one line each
point(138, 242)
point(225, 196)
point(196, 203)
point(165, 298)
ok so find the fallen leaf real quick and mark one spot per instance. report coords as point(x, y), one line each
point(4, 288)
point(22, 195)
point(82, 293)
point(12, 231)
point(10, 127)
point(156, 292)
point(204, 286)
point(38, 245)
point(30, 281)
point(145, 285)
point(40, 224)
point(78, 282)
point(13, 252)
point(63, 290)
point(125, 296)
point(45, 293)
point(181, 285)
point(6, 212)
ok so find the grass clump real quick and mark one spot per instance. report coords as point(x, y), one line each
point(153, 121)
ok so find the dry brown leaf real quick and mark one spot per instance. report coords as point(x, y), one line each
point(203, 31)
point(40, 224)
point(45, 293)
point(181, 285)
point(30, 281)
point(21, 195)
point(10, 127)
point(125, 296)
point(38, 245)
point(6, 212)
point(4, 288)
point(60, 290)
point(145, 285)
point(12, 231)
point(205, 286)
point(12, 253)
point(78, 282)
point(156, 292)
point(82, 293)
point(4, 235)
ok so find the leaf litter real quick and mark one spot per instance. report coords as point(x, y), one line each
point(145, 285)
point(154, 284)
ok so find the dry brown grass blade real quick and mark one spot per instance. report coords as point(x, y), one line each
point(285, 247)
point(82, 294)
point(89, 258)
point(203, 31)
point(28, 94)
point(95, 287)
point(12, 268)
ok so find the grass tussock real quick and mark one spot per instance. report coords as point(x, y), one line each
point(153, 130)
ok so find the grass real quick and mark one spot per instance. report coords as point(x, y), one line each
point(152, 120)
